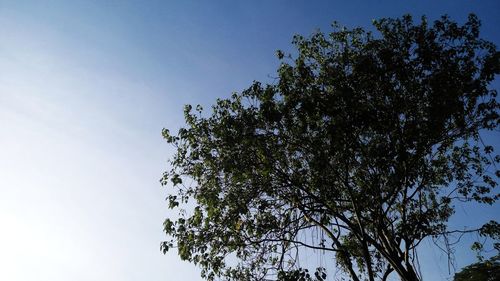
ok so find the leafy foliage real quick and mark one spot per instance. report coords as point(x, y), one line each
point(481, 271)
point(359, 150)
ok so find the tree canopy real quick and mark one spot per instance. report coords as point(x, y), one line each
point(359, 150)
point(488, 270)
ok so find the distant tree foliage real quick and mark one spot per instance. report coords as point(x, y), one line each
point(481, 271)
point(360, 150)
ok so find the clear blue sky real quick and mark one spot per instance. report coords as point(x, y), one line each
point(87, 86)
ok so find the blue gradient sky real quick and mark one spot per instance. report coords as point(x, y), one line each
point(87, 86)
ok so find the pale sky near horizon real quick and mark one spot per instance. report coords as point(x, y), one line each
point(87, 86)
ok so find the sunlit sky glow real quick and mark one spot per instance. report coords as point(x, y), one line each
point(87, 86)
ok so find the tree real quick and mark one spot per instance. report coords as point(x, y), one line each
point(360, 150)
point(481, 271)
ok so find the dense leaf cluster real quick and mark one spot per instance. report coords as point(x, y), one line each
point(359, 149)
point(488, 270)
